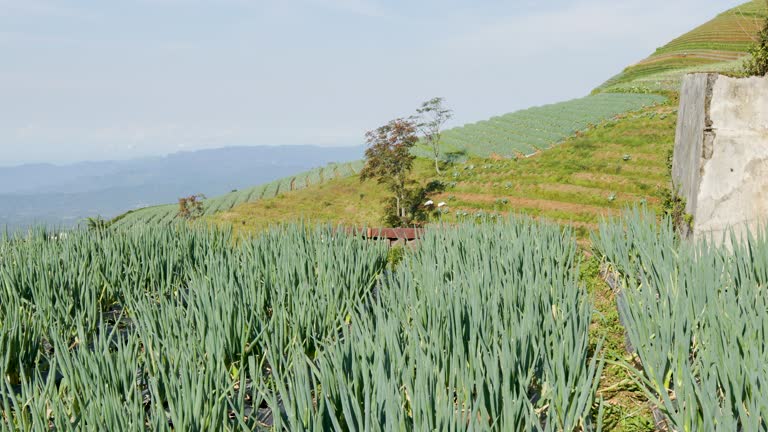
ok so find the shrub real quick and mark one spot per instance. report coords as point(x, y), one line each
point(191, 207)
point(757, 65)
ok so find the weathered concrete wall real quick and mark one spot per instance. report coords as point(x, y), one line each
point(720, 162)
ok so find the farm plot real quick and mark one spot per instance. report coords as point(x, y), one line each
point(167, 213)
point(298, 329)
point(697, 317)
point(528, 131)
point(719, 45)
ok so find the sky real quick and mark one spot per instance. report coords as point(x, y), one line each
point(99, 80)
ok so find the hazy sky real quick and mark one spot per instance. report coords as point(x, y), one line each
point(112, 79)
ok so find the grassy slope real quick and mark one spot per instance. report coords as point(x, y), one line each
point(719, 45)
point(529, 131)
point(345, 201)
point(569, 183)
point(168, 213)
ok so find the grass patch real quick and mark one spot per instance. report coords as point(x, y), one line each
point(626, 406)
point(579, 181)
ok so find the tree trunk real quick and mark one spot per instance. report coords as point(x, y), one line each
point(437, 165)
point(397, 199)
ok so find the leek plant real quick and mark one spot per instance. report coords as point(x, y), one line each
point(697, 316)
point(301, 328)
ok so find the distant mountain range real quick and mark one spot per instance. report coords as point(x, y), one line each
point(63, 195)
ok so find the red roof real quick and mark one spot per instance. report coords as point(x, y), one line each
point(394, 234)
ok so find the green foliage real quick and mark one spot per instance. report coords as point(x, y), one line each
point(720, 45)
point(191, 207)
point(166, 214)
point(395, 256)
point(528, 131)
point(757, 65)
point(96, 223)
point(299, 329)
point(696, 315)
point(673, 205)
point(430, 119)
point(141, 329)
point(414, 210)
point(389, 161)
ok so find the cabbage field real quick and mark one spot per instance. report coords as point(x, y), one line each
point(165, 214)
point(525, 132)
point(298, 329)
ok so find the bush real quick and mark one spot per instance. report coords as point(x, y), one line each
point(757, 65)
point(191, 207)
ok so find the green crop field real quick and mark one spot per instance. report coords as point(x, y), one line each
point(308, 329)
point(696, 316)
point(526, 132)
point(297, 329)
point(165, 214)
point(597, 173)
point(719, 45)
point(521, 133)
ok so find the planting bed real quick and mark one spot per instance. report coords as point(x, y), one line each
point(484, 327)
point(697, 318)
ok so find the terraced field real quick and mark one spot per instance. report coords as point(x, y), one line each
point(578, 182)
point(719, 45)
point(525, 132)
point(519, 134)
point(167, 213)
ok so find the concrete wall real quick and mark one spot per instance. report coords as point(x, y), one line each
point(720, 162)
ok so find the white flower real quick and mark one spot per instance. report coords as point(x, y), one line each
point(429, 203)
point(441, 204)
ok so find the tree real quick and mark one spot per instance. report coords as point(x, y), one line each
point(97, 223)
point(412, 206)
point(388, 159)
point(757, 65)
point(191, 207)
point(430, 119)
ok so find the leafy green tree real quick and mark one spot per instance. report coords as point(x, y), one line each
point(389, 161)
point(757, 65)
point(430, 119)
point(414, 210)
point(97, 223)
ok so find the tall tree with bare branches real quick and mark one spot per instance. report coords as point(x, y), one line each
point(429, 120)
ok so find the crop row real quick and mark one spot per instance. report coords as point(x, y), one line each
point(729, 34)
point(527, 131)
point(167, 213)
point(697, 316)
point(297, 329)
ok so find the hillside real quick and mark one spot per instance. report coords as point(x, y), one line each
point(526, 132)
point(316, 176)
point(571, 162)
point(589, 323)
point(719, 45)
point(584, 178)
point(513, 136)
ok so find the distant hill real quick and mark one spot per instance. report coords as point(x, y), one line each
point(64, 194)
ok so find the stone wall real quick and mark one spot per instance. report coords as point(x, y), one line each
point(720, 164)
